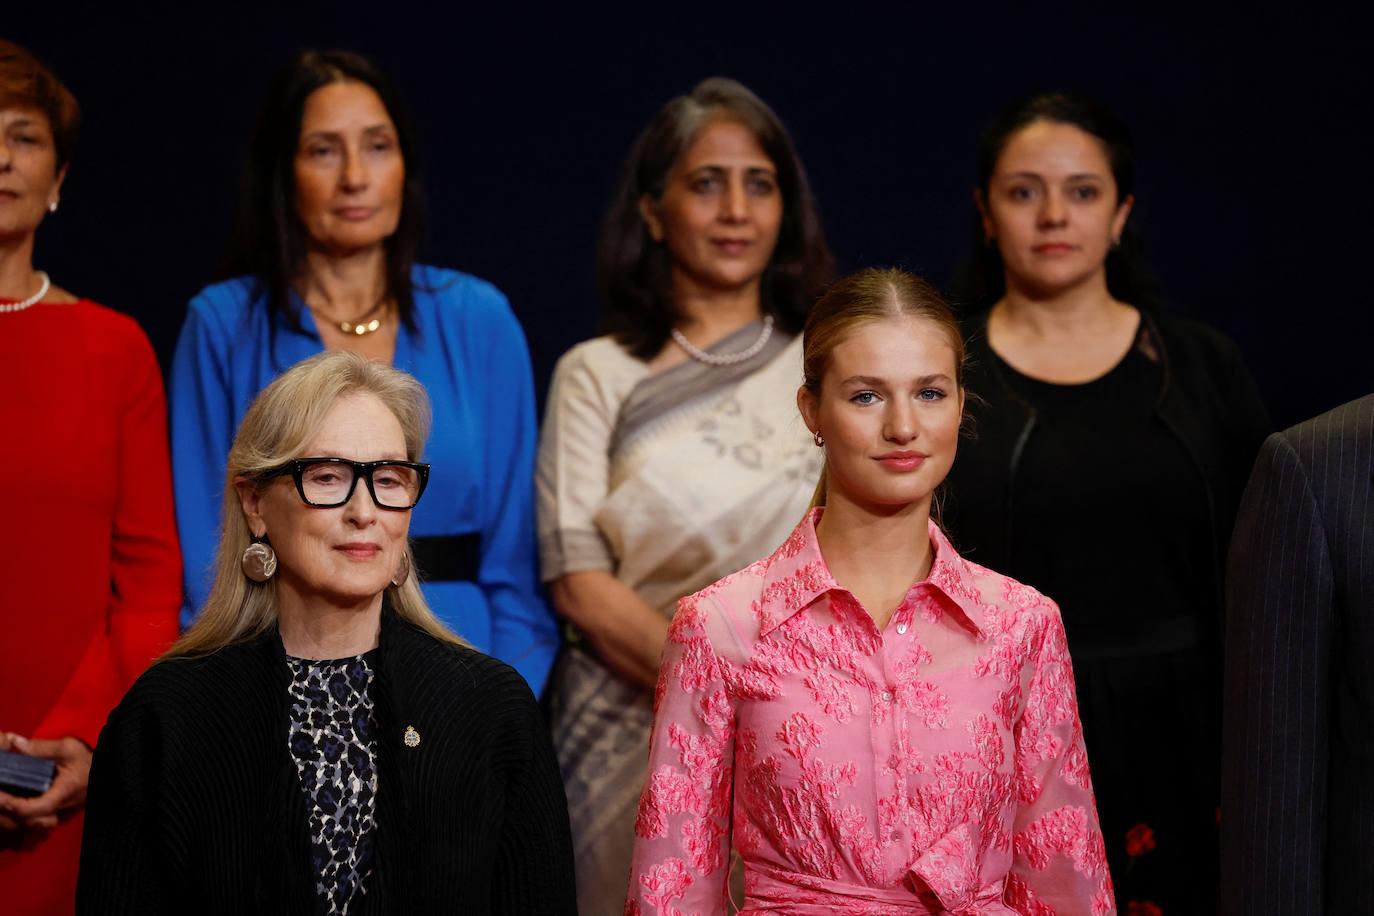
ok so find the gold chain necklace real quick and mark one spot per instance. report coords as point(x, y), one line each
point(361, 325)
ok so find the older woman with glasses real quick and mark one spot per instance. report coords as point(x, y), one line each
point(318, 741)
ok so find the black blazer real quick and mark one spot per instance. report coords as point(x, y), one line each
point(1298, 797)
point(194, 805)
point(1207, 401)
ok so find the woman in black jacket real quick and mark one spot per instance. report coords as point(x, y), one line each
point(318, 742)
point(1110, 445)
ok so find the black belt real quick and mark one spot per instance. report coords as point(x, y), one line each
point(447, 557)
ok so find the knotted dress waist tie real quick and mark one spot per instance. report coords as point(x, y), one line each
point(771, 890)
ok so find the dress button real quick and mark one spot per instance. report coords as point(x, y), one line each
point(887, 696)
point(901, 628)
point(895, 836)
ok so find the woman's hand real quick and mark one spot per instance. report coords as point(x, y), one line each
point(68, 789)
point(625, 632)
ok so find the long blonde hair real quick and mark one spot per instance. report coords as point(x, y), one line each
point(283, 418)
point(872, 294)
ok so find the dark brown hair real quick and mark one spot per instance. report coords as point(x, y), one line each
point(26, 83)
point(872, 294)
point(981, 280)
point(269, 242)
point(635, 271)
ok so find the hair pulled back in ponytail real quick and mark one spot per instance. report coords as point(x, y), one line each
point(872, 294)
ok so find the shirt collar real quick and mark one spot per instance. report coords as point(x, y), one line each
point(796, 575)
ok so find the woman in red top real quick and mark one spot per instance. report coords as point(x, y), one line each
point(88, 554)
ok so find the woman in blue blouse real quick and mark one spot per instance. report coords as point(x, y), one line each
point(328, 226)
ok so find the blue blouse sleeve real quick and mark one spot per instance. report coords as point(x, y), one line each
point(524, 633)
point(202, 431)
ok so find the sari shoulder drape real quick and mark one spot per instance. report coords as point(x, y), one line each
point(669, 481)
point(708, 469)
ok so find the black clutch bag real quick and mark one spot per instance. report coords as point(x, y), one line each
point(25, 776)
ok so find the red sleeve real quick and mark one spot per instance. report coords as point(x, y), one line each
point(145, 563)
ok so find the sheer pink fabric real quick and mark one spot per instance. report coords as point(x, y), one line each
point(936, 766)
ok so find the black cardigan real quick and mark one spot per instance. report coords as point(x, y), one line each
point(1208, 401)
point(194, 805)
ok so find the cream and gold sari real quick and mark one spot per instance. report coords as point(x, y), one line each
point(669, 481)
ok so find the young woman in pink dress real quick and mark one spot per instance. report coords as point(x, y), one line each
point(877, 725)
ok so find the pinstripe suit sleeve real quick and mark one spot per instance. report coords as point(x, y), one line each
point(1278, 675)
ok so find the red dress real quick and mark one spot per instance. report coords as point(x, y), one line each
point(89, 566)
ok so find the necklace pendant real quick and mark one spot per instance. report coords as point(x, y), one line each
point(361, 328)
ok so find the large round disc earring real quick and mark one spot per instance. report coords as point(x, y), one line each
point(259, 561)
point(402, 571)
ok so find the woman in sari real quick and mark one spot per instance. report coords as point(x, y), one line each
point(671, 454)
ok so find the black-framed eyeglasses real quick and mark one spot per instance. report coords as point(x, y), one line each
point(329, 482)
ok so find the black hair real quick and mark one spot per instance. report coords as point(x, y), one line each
point(268, 242)
point(981, 279)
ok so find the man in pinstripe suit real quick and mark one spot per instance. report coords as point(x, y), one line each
point(1298, 781)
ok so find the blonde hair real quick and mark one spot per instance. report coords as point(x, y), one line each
point(285, 416)
point(872, 294)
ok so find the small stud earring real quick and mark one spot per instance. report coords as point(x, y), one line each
point(52, 207)
point(818, 439)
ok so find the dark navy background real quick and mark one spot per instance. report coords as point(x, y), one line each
point(1256, 180)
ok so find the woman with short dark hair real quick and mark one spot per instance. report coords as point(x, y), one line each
point(711, 255)
point(318, 742)
point(89, 551)
point(324, 258)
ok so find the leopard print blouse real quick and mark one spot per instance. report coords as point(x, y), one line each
point(333, 740)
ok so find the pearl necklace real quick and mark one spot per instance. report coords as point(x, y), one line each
point(32, 300)
point(725, 359)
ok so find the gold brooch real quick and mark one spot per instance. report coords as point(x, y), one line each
point(411, 737)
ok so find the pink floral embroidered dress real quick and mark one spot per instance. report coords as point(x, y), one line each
point(936, 766)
